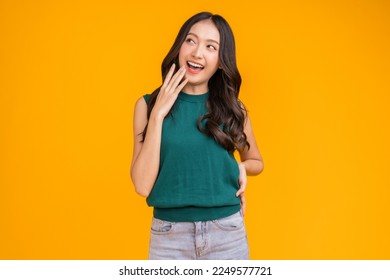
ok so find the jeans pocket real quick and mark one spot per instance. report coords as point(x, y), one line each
point(161, 226)
point(230, 223)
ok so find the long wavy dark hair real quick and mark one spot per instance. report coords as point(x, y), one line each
point(226, 114)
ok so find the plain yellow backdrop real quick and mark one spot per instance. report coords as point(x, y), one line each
point(315, 82)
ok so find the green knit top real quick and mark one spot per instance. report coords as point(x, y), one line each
point(197, 178)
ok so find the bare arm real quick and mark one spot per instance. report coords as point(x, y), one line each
point(144, 166)
point(251, 159)
point(146, 155)
point(251, 162)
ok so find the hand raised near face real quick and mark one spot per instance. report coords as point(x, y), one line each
point(169, 92)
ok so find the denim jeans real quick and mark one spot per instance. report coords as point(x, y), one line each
point(221, 239)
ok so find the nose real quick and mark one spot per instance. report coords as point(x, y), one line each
point(196, 52)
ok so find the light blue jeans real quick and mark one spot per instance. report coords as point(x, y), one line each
point(222, 239)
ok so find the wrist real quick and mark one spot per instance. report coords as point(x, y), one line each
point(242, 165)
point(155, 117)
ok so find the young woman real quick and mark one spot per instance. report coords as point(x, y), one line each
point(185, 134)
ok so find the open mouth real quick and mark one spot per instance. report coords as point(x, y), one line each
point(195, 66)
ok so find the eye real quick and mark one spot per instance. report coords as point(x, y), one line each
point(212, 47)
point(189, 40)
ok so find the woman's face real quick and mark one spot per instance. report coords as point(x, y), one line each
point(199, 53)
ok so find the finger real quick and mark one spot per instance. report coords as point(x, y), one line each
point(241, 189)
point(243, 204)
point(176, 79)
point(181, 86)
point(169, 75)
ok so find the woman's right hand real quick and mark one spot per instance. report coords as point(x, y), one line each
point(146, 154)
point(169, 92)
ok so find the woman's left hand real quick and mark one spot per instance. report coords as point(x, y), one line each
point(242, 182)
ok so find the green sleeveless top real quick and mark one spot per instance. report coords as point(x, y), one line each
point(197, 178)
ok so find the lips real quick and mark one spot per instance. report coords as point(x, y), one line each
point(194, 67)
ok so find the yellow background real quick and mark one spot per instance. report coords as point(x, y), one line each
point(316, 84)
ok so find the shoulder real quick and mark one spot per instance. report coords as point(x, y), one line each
point(146, 97)
point(142, 101)
point(243, 109)
point(140, 118)
point(141, 106)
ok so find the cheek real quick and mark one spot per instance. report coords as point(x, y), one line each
point(182, 55)
point(213, 61)
point(184, 50)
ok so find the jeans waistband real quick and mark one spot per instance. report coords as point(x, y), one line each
point(194, 214)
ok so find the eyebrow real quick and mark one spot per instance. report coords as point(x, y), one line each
point(209, 40)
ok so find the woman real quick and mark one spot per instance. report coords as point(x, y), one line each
point(185, 134)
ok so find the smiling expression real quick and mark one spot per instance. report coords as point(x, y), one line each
point(200, 55)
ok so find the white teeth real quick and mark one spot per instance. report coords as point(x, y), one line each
point(195, 64)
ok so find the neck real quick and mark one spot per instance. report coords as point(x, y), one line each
point(195, 89)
